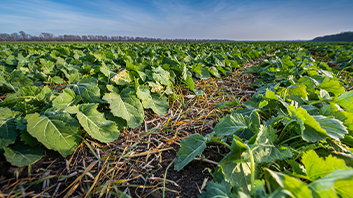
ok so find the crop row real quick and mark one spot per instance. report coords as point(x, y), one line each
point(293, 138)
point(54, 95)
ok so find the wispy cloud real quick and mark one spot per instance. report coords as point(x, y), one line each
point(241, 20)
point(38, 16)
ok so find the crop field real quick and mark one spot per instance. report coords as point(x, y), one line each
point(252, 119)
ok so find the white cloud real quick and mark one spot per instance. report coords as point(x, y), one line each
point(44, 16)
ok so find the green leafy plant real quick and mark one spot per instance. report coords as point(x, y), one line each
point(57, 94)
point(298, 111)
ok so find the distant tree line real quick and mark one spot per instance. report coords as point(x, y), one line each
point(343, 37)
point(22, 36)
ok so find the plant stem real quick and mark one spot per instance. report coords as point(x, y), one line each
point(267, 117)
point(285, 129)
point(289, 139)
point(316, 102)
point(298, 144)
point(284, 95)
point(252, 164)
point(223, 143)
point(165, 177)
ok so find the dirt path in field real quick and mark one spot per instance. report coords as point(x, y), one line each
point(137, 163)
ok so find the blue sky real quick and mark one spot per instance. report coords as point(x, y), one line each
point(203, 19)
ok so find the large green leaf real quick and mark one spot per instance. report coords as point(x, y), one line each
point(24, 93)
point(345, 100)
point(26, 107)
point(157, 102)
point(8, 85)
point(156, 87)
point(286, 62)
point(281, 193)
point(333, 127)
point(23, 155)
point(274, 180)
point(11, 60)
point(344, 187)
point(332, 85)
point(95, 124)
point(56, 80)
point(214, 72)
point(251, 107)
point(310, 82)
point(46, 65)
point(125, 105)
point(219, 60)
point(343, 116)
point(189, 148)
point(190, 83)
point(184, 72)
point(64, 99)
point(265, 151)
point(230, 124)
point(254, 122)
point(348, 121)
point(319, 167)
point(325, 187)
point(205, 73)
point(298, 169)
point(22, 61)
point(162, 76)
point(44, 93)
point(219, 190)
point(130, 66)
point(57, 131)
point(297, 92)
point(236, 167)
point(310, 128)
point(120, 122)
point(197, 69)
point(109, 74)
point(124, 77)
point(28, 139)
point(8, 132)
point(296, 187)
point(227, 104)
point(323, 94)
point(88, 89)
